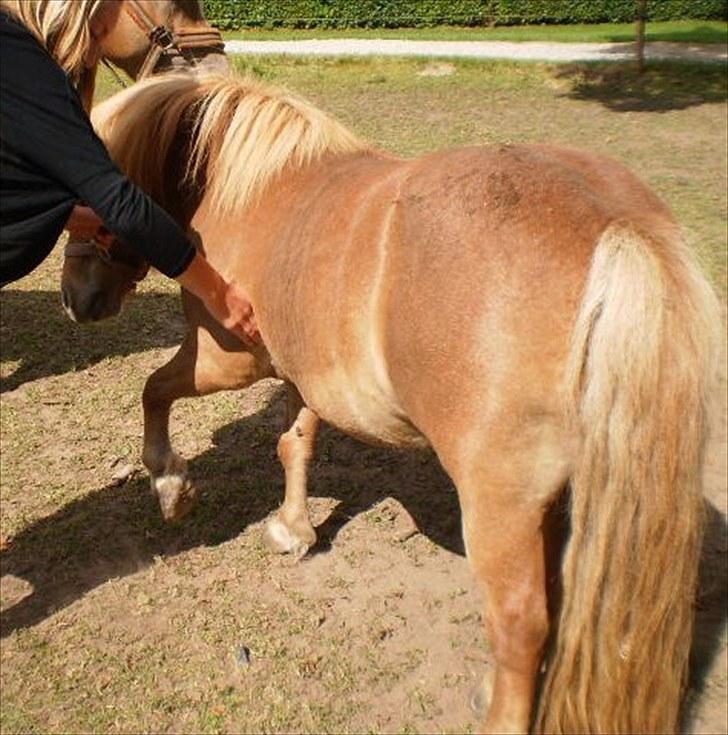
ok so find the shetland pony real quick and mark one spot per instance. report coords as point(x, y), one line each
point(528, 311)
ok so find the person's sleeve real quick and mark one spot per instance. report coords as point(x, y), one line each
point(45, 122)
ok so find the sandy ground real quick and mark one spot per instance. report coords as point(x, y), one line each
point(139, 627)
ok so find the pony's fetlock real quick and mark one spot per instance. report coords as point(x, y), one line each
point(177, 495)
point(295, 539)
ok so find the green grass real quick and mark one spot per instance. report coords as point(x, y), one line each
point(683, 31)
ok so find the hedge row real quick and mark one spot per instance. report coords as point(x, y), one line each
point(229, 14)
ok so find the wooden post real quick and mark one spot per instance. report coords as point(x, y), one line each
point(641, 11)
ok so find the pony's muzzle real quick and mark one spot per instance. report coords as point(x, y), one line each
point(86, 307)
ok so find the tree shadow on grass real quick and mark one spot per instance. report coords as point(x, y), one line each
point(664, 86)
point(36, 332)
point(706, 34)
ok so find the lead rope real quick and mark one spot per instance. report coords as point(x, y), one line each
point(115, 73)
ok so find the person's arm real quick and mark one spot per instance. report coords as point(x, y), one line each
point(225, 301)
point(44, 121)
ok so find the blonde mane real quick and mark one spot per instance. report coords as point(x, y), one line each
point(242, 133)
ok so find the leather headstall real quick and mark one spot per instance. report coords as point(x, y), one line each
point(166, 42)
point(117, 253)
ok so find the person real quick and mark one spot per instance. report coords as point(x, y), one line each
point(56, 173)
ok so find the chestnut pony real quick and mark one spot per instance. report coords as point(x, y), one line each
point(528, 311)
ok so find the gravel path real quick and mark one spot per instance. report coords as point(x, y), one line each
point(524, 51)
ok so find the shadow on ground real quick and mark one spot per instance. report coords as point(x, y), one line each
point(712, 602)
point(664, 86)
point(36, 333)
point(116, 531)
point(706, 34)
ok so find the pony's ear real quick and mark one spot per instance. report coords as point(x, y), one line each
point(86, 87)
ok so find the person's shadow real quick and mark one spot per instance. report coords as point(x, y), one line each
point(36, 333)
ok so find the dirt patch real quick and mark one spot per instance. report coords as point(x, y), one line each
point(437, 69)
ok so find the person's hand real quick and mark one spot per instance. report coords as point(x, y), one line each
point(240, 319)
point(83, 223)
point(227, 302)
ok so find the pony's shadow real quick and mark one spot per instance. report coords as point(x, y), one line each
point(118, 530)
point(37, 335)
point(712, 601)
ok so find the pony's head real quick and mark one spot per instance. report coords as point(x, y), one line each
point(97, 280)
point(185, 137)
point(158, 35)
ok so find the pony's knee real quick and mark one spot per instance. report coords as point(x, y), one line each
point(152, 395)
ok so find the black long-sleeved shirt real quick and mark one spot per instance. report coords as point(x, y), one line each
point(51, 159)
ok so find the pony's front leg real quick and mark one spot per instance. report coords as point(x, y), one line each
point(167, 470)
point(291, 529)
point(208, 360)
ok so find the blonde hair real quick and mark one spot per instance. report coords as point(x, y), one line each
point(63, 27)
point(244, 133)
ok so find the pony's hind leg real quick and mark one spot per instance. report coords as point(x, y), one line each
point(201, 366)
point(511, 570)
point(504, 501)
point(290, 531)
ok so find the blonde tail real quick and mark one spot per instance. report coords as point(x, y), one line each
point(641, 367)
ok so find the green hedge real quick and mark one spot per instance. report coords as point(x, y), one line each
point(228, 14)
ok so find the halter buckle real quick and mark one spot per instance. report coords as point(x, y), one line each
point(162, 37)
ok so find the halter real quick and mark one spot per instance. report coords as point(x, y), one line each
point(166, 42)
point(117, 254)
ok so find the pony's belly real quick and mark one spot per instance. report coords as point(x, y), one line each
point(362, 412)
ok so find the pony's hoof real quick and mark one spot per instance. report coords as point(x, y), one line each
point(280, 539)
point(177, 496)
point(482, 694)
